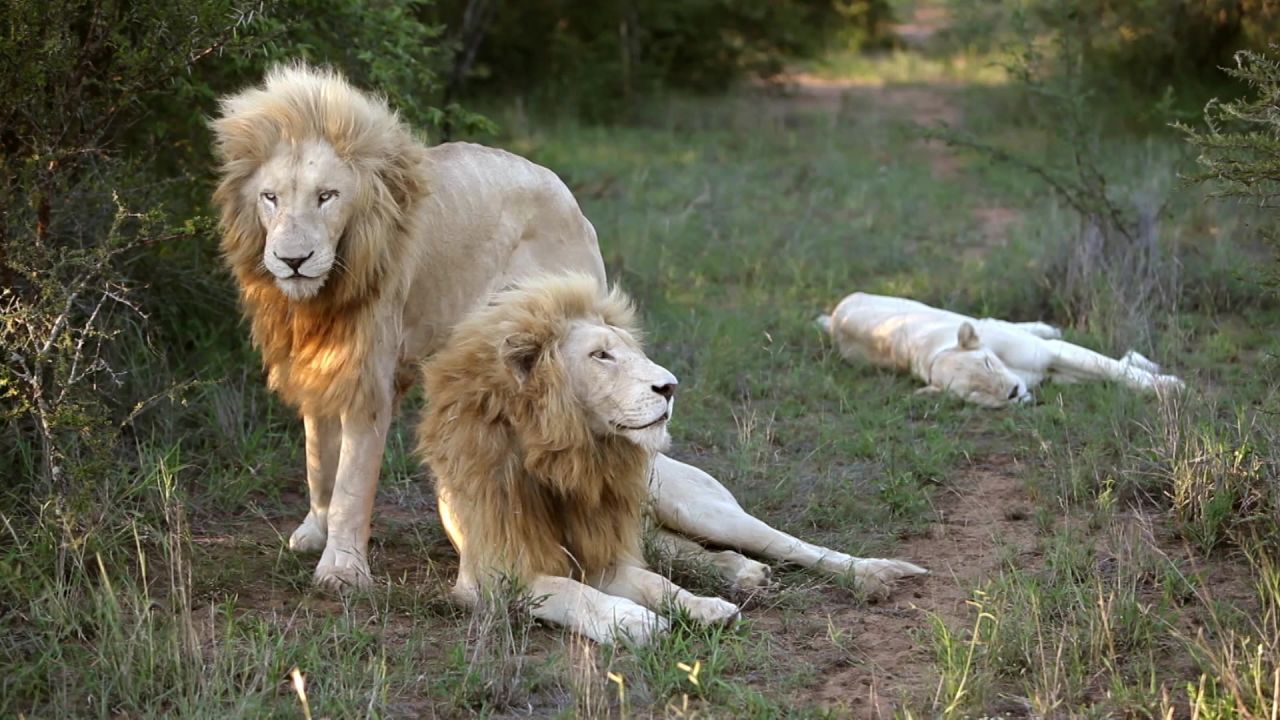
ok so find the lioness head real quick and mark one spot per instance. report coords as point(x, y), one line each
point(303, 200)
point(976, 374)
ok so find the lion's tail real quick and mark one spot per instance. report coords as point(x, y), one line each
point(823, 321)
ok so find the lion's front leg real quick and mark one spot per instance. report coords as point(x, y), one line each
point(324, 439)
point(1074, 363)
point(600, 616)
point(345, 561)
point(657, 593)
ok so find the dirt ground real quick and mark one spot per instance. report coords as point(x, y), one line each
point(984, 509)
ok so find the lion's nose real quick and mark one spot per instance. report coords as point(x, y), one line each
point(667, 391)
point(295, 262)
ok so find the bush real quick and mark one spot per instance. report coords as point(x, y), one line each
point(600, 55)
point(112, 301)
point(1148, 45)
point(1239, 150)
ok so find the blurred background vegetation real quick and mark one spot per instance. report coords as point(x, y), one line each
point(129, 396)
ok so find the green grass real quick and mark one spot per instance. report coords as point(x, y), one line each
point(1150, 582)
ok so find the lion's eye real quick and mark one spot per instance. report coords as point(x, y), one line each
point(327, 195)
point(602, 355)
point(270, 197)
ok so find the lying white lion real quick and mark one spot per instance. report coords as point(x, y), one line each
point(989, 362)
point(543, 422)
point(357, 249)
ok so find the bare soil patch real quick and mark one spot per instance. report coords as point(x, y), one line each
point(872, 660)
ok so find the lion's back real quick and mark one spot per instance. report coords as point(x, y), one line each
point(524, 210)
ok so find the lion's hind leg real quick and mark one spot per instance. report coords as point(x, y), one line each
point(657, 593)
point(738, 570)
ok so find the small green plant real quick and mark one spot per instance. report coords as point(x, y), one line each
point(1239, 147)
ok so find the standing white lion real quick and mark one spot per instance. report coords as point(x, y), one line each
point(357, 250)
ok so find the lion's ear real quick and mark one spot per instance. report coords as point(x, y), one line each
point(968, 337)
point(520, 353)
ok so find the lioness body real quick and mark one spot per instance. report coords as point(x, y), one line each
point(357, 250)
point(988, 362)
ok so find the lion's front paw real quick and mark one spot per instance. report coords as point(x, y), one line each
point(1169, 383)
point(342, 570)
point(747, 574)
point(710, 610)
point(311, 536)
point(638, 624)
point(876, 577)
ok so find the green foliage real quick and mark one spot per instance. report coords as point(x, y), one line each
point(1147, 45)
point(102, 114)
point(1239, 149)
point(602, 55)
point(1111, 272)
point(111, 306)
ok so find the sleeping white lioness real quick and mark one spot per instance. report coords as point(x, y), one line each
point(357, 249)
point(988, 362)
point(544, 419)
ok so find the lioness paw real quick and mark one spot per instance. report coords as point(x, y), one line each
point(311, 536)
point(342, 570)
point(749, 574)
point(710, 610)
point(876, 577)
point(1136, 359)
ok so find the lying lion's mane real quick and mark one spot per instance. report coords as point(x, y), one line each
point(536, 492)
point(315, 350)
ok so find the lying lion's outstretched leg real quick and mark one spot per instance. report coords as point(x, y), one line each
point(1074, 363)
point(740, 571)
point(1137, 359)
point(364, 435)
point(600, 616)
point(324, 438)
point(692, 502)
point(656, 593)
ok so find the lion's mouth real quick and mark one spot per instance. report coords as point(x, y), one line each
point(661, 419)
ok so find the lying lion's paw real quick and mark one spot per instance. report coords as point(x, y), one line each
point(710, 610)
point(638, 624)
point(1170, 383)
point(1046, 331)
point(875, 576)
point(748, 574)
point(1138, 360)
point(342, 570)
point(311, 536)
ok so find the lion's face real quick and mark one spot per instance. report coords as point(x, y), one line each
point(622, 391)
point(303, 195)
point(976, 374)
